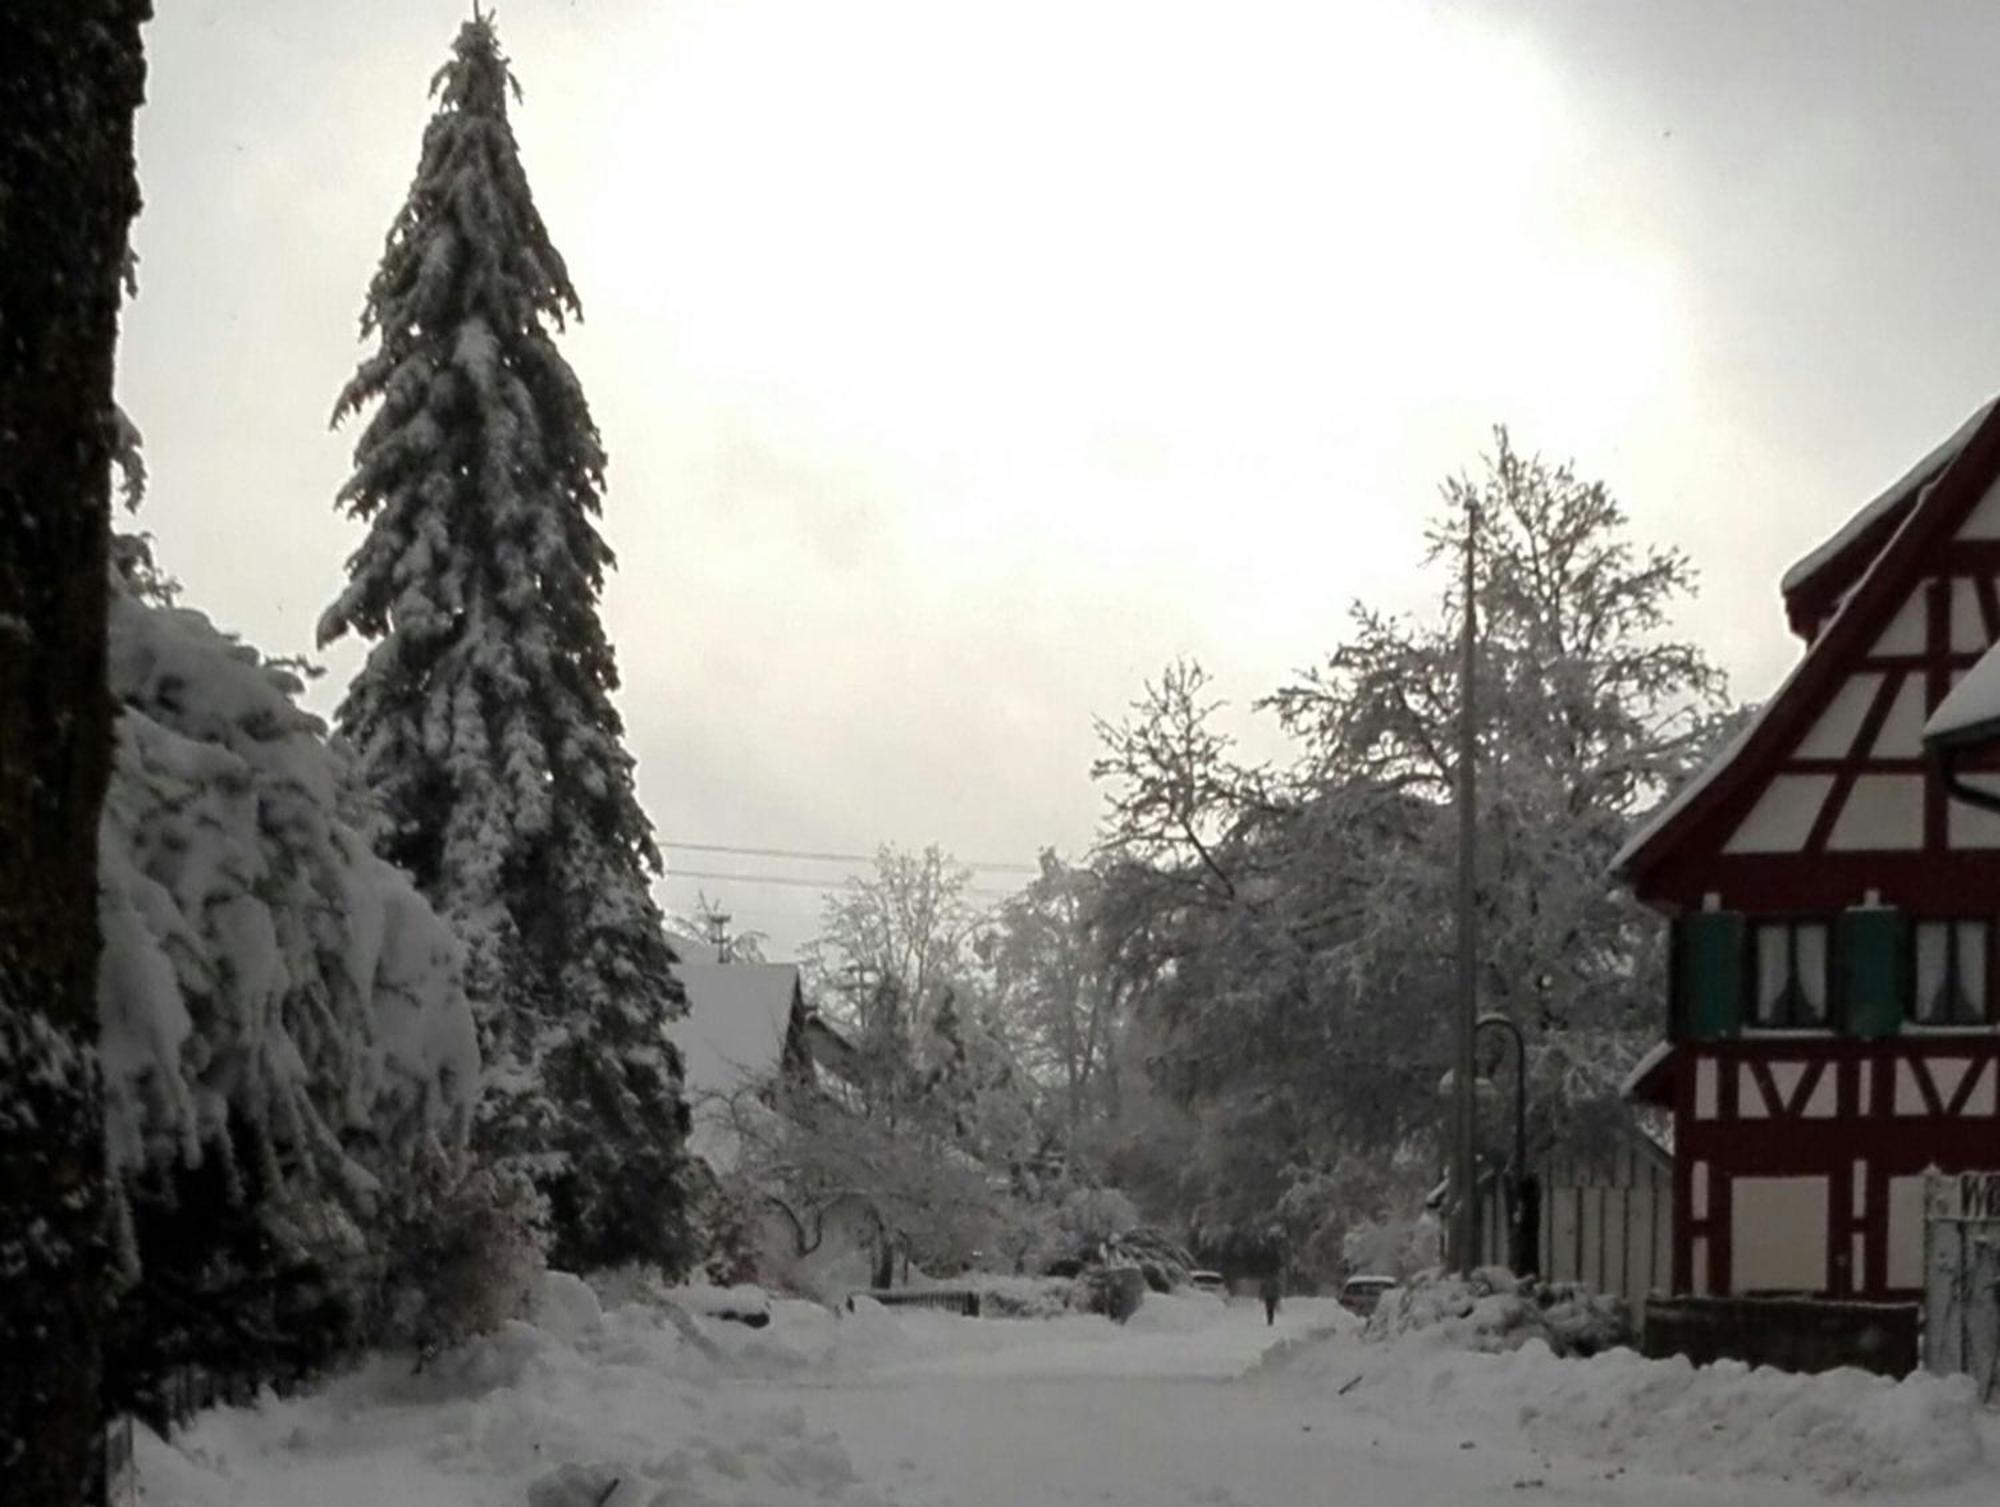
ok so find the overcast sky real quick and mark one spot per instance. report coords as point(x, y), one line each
point(962, 363)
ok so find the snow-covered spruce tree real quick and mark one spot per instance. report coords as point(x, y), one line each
point(483, 715)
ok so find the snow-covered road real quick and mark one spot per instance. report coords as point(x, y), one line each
point(1192, 1403)
point(1153, 1420)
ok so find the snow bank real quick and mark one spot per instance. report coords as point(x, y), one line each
point(1843, 1431)
point(623, 1410)
point(1175, 1312)
point(1492, 1309)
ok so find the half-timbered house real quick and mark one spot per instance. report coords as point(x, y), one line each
point(1834, 891)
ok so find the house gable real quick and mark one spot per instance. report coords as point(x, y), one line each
point(1833, 771)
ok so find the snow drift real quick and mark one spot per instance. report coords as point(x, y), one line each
point(1844, 1430)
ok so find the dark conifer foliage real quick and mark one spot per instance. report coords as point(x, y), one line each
point(72, 73)
point(483, 716)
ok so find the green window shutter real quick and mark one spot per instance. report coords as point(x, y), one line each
point(1708, 974)
point(1872, 950)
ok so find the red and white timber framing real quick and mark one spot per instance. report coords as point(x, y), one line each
point(1797, 1152)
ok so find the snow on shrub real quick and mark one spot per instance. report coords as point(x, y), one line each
point(1492, 1309)
point(290, 1064)
point(259, 961)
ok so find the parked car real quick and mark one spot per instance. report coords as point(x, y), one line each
point(1207, 1281)
point(1360, 1294)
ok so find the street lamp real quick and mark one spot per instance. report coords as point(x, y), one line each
point(1526, 1259)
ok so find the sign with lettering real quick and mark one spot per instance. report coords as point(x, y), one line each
point(1963, 1195)
point(1962, 1276)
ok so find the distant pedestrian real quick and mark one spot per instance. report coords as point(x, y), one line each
point(1270, 1290)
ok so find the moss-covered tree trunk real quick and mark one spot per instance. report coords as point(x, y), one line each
point(71, 76)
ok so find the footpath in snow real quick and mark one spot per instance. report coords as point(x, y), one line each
point(1193, 1401)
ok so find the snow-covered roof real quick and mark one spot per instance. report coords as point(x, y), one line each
point(1905, 487)
point(691, 949)
point(735, 1026)
point(1971, 712)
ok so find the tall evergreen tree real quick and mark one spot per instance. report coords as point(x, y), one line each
point(483, 715)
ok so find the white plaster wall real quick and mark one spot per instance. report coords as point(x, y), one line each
point(1983, 522)
point(1778, 1234)
point(1884, 812)
point(1905, 633)
point(1968, 628)
point(1783, 815)
point(1968, 826)
point(1902, 734)
point(1905, 1267)
point(1832, 736)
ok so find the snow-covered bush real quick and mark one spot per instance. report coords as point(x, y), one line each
point(283, 1031)
point(1492, 1309)
point(260, 962)
point(1392, 1247)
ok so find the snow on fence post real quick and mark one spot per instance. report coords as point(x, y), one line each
point(1962, 1276)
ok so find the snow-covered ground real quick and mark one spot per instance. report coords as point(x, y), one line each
point(1194, 1401)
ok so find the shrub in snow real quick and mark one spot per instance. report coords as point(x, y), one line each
point(283, 1026)
point(462, 1252)
point(483, 715)
point(1492, 1309)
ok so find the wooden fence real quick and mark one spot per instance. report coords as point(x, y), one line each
point(1605, 1219)
point(958, 1300)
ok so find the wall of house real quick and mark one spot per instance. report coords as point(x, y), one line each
point(1800, 1162)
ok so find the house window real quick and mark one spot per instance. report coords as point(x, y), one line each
point(1951, 985)
point(1789, 985)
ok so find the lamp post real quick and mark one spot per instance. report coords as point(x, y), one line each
point(1524, 1257)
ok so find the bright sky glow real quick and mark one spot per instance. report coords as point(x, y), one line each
point(961, 363)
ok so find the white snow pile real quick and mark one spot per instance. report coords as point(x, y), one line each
point(258, 959)
point(1175, 1312)
point(1846, 1430)
point(584, 1405)
point(1492, 1309)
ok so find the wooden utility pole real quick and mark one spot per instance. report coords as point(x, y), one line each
point(72, 74)
point(1464, 1170)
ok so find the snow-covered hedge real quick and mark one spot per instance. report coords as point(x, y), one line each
point(1492, 1309)
point(259, 961)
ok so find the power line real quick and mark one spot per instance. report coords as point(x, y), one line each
point(787, 879)
point(720, 847)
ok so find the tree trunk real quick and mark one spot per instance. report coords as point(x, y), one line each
point(71, 75)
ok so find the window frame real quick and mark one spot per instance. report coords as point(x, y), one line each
point(1913, 999)
point(1754, 1019)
